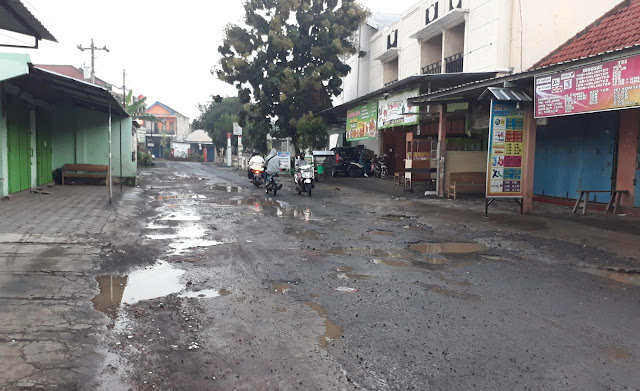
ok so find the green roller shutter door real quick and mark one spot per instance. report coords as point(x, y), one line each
point(19, 148)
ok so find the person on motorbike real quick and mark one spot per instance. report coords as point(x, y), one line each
point(272, 165)
point(255, 163)
point(300, 161)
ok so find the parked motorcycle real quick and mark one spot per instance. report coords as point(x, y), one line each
point(303, 179)
point(273, 184)
point(379, 169)
point(257, 180)
point(356, 170)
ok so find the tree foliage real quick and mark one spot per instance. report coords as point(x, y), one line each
point(288, 58)
point(312, 132)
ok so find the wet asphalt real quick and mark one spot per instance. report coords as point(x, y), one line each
point(222, 287)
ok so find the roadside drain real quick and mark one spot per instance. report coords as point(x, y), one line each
point(331, 330)
point(447, 248)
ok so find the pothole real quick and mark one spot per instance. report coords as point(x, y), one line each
point(206, 293)
point(621, 277)
point(447, 248)
point(331, 330)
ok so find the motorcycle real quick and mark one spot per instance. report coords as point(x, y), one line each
point(303, 179)
point(379, 169)
point(273, 184)
point(356, 170)
point(257, 180)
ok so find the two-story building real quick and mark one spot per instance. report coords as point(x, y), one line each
point(171, 124)
point(438, 44)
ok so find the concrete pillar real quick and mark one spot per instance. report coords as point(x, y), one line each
point(627, 155)
point(529, 159)
point(442, 148)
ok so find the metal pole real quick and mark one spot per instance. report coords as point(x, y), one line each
point(120, 120)
point(110, 187)
point(93, 69)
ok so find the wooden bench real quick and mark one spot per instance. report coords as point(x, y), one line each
point(466, 181)
point(614, 199)
point(85, 171)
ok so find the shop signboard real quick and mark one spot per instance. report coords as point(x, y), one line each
point(285, 160)
point(610, 85)
point(362, 122)
point(397, 111)
point(506, 150)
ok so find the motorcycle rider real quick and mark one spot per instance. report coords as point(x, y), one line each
point(255, 163)
point(272, 165)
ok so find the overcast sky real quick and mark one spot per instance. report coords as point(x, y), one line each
point(166, 47)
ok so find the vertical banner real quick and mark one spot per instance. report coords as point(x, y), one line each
point(505, 164)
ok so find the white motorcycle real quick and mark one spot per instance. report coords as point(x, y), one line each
point(303, 179)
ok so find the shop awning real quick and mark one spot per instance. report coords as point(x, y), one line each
point(507, 94)
point(437, 81)
point(52, 87)
point(15, 17)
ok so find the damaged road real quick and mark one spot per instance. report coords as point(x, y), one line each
point(209, 284)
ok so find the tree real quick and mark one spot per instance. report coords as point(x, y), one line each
point(217, 119)
point(288, 58)
point(136, 108)
point(312, 132)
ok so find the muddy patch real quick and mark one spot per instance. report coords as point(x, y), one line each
point(615, 354)
point(188, 196)
point(331, 330)
point(383, 233)
point(450, 293)
point(180, 217)
point(447, 248)
point(617, 276)
point(344, 269)
point(183, 246)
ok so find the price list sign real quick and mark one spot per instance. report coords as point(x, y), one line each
point(506, 150)
point(610, 85)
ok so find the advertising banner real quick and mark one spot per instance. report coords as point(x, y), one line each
point(506, 150)
point(362, 122)
point(607, 86)
point(285, 160)
point(396, 111)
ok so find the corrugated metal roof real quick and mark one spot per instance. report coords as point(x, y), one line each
point(14, 16)
point(504, 93)
point(379, 21)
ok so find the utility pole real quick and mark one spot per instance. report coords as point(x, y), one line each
point(124, 91)
point(93, 49)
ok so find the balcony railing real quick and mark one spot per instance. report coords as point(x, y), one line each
point(391, 82)
point(432, 69)
point(454, 64)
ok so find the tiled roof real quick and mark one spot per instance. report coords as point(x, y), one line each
point(72, 72)
point(617, 29)
point(169, 109)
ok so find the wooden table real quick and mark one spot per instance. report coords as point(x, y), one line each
point(614, 199)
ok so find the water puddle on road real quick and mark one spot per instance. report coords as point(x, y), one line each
point(152, 282)
point(282, 288)
point(344, 269)
point(447, 248)
point(270, 207)
point(186, 232)
point(206, 293)
point(621, 277)
point(224, 188)
point(331, 330)
point(188, 196)
point(180, 217)
point(183, 246)
point(389, 262)
point(383, 233)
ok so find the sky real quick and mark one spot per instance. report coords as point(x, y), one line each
point(166, 47)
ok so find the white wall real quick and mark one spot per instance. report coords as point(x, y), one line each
point(182, 127)
point(180, 150)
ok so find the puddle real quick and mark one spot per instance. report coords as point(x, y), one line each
point(180, 217)
point(451, 293)
point(621, 277)
point(188, 232)
point(447, 248)
point(389, 262)
point(153, 225)
point(351, 276)
point(282, 288)
point(331, 330)
point(150, 283)
point(228, 189)
point(306, 233)
point(383, 233)
point(165, 197)
point(346, 289)
point(493, 257)
point(374, 252)
point(396, 217)
point(618, 353)
point(270, 207)
point(344, 269)
point(181, 247)
point(436, 260)
point(206, 293)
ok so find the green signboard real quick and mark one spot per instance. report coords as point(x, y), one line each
point(362, 122)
